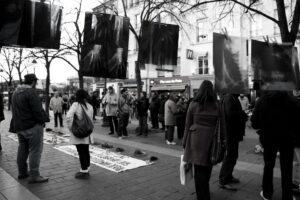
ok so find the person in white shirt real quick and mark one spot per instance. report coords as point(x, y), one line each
point(244, 102)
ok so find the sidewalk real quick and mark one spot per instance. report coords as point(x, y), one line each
point(157, 181)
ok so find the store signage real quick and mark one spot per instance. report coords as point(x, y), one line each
point(170, 81)
point(190, 54)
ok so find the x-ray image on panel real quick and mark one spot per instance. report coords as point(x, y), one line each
point(40, 25)
point(159, 44)
point(10, 19)
point(275, 66)
point(230, 64)
point(105, 48)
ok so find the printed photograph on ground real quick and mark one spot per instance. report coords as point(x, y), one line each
point(159, 44)
point(105, 47)
point(275, 66)
point(230, 64)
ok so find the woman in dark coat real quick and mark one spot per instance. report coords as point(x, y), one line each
point(200, 125)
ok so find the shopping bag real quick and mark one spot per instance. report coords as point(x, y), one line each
point(186, 172)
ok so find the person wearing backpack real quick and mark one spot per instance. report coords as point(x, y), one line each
point(82, 144)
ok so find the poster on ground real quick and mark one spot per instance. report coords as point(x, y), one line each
point(275, 66)
point(30, 24)
point(230, 64)
point(105, 46)
point(159, 44)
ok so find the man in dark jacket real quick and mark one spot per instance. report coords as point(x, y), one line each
point(29, 119)
point(154, 107)
point(276, 116)
point(1, 115)
point(142, 107)
point(235, 120)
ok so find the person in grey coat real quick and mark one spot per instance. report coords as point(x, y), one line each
point(200, 126)
point(170, 120)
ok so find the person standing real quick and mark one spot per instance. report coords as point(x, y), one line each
point(28, 121)
point(244, 102)
point(56, 104)
point(124, 112)
point(161, 111)
point(1, 115)
point(65, 104)
point(95, 103)
point(154, 107)
point(235, 122)
point(142, 108)
point(82, 144)
point(170, 120)
point(276, 115)
point(180, 119)
point(110, 101)
point(200, 125)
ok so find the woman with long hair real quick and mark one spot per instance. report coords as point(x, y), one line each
point(200, 126)
point(82, 144)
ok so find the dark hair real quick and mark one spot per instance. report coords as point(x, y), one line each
point(144, 93)
point(206, 93)
point(123, 90)
point(81, 96)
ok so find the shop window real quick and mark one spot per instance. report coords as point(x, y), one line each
point(203, 64)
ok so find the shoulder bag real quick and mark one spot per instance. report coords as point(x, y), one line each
point(82, 128)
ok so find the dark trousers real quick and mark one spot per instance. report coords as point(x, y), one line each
point(154, 119)
point(113, 120)
point(202, 176)
point(143, 125)
point(94, 112)
point(180, 121)
point(30, 145)
point(286, 165)
point(84, 155)
point(170, 133)
point(231, 156)
point(58, 115)
point(123, 123)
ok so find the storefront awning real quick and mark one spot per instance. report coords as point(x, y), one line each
point(168, 87)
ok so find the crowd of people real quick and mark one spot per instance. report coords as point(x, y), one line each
point(275, 117)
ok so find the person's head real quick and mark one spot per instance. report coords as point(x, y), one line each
point(30, 79)
point(153, 94)
point(56, 94)
point(124, 92)
point(81, 96)
point(206, 93)
point(172, 96)
point(110, 90)
point(144, 94)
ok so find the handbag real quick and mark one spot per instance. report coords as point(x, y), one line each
point(186, 172)
point(218, 147)
point(82, 128)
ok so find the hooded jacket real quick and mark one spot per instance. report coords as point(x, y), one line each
point(27, 110)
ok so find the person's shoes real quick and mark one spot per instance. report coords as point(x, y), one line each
point(139, 153)
point(82, 175)
point(37, 179)
point(262, 196)
point(110, 133)
point(120, 137)
point(234, 180)
point(21, 177)
point(170, 143)
point(0, 147)
point(227, 187)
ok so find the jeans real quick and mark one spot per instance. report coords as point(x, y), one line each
point(123, 123)
point(154, 119)
point(113, 120)
point(58, 115)
point(286, 166)
point(143, 125)
point(170, 133)
point(30, 145)
point(84, 155)
point(231, 156)
point(180, 121)
point(202, 176)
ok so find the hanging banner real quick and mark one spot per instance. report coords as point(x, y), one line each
point(275, 66)
point(159, 44)
point(230, 64)
point(105, 46)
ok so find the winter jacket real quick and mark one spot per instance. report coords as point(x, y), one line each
point(170, 111)
point(27, 110)
point(111, 101)
point(143, 106)
point(200, 126)
point(56, 104)
point(77, 109)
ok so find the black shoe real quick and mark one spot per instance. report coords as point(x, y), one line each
point(110, 133)
point(20, 177)
point(234, 180)
point(227, 187)
point(37, 179)
point(82, 175)
point(0, 147)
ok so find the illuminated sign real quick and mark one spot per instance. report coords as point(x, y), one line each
point(170, 81)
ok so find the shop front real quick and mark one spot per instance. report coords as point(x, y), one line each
point(131, 85)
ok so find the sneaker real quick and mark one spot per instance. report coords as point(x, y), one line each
point(170, 143)
point(37, 179)
point(21, 177)
point(262, 196)
point(82, 175)
point(227, 187)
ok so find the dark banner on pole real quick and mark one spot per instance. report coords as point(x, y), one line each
point(105, 48)
point(230, 64)
point(159, 44)
point(275, 66)
point(33, 25)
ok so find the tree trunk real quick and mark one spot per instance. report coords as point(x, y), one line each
point(138, 76)
point(9, 94)
point(47, 98)
point(20, 76)
point(80, 77)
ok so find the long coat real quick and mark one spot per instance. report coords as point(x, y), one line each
point(200, 126)
point(170, 111)
point(111, 101)
point(56, 104)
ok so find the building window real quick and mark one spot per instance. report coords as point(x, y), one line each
point(203, 64)
point(130, 3)
point(202, 30)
